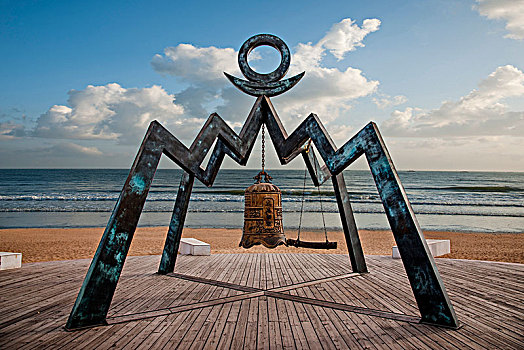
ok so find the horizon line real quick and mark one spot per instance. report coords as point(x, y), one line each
point(279, 169)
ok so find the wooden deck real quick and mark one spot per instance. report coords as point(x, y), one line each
point(263, 301)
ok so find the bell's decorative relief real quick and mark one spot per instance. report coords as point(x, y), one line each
point(263, 215)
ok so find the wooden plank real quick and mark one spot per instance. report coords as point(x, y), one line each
point(348, 339)
point(201, 338)
point(275, 337)
point(216, 334)
point(372, 298)
point(176, 330)
point(287, 313)
point(217, 331)
point(188, 337)
point(145, 333)
point(332, 291)
point(197, 325)
point(239, 310)
point(169, 311)
point(251, 332)
point(239, 334)
point(315, 320)
point(164, 329)
point(320, 313)
point(205, 326)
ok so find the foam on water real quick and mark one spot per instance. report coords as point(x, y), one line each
point(446, 197)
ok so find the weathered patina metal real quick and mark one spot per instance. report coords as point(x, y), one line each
point(259, 84)
point(356, 255)
point(95, 295)
point(261, 40)
point(97, 291)
point(167, 263)
point(267, 89)
point(263, 214)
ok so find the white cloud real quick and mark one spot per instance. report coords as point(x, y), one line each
point(110, 112)
point(388, 101)
point(328, 91)
point(341, 133)
point(72, 149)
point(120, 115)
point(197, 65)
point(499, 153)
point(511, 11)
point(38, 153)
point(481, 112)
point(11, 130)
point(345, 36)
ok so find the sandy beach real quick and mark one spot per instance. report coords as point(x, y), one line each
point(40, 244)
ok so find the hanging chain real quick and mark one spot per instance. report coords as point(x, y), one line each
point(263, 147)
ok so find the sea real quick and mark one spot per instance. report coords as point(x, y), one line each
point(490, 202)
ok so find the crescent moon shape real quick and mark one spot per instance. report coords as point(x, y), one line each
point(268, 89)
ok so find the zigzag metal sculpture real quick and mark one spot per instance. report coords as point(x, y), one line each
point(97, 291)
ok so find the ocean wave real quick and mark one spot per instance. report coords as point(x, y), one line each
point(474, 189)
point(55, 197)
point(313, 211)
point(153, 197)
point(207, 197)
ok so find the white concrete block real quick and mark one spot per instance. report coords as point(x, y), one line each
point(10, 260)
point(437, 247)
point(395, 253)
point(192, 246)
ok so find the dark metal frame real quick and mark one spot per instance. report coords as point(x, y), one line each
point(97, 291)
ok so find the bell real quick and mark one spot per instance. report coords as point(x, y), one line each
point(263, 214)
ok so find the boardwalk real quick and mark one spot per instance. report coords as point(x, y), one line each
point(263, 301)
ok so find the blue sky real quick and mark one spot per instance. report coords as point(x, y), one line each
point(442, 79)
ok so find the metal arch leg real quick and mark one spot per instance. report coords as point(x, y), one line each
point(356, 255)
point(169, 255)
point(428, 288)
point(96, 293)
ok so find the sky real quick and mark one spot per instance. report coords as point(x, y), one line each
point(443, 80)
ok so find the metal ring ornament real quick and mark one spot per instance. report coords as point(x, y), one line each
point(261, 40)
point(264, 84)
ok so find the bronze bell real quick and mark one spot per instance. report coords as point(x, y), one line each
point(263, 214)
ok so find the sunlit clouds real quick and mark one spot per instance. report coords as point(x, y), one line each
point(510, 11)
point(373, 66)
